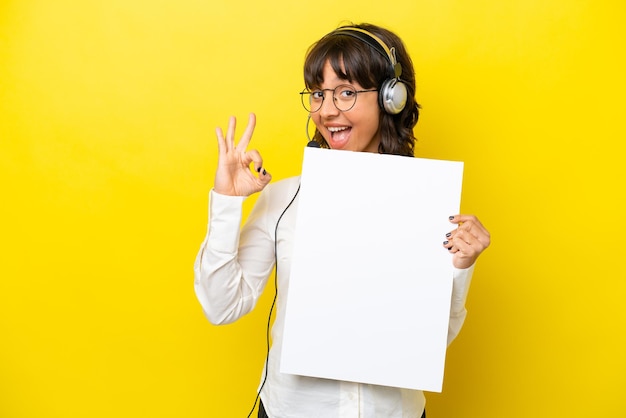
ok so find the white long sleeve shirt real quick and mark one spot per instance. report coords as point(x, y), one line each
point(231, 271)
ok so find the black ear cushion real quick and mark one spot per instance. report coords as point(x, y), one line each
point(392, 96)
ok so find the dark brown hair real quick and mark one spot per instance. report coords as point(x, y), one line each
point(355, 60)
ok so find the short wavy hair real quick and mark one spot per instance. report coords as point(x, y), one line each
point(354, 60)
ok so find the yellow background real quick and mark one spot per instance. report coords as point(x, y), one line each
point(107, 152)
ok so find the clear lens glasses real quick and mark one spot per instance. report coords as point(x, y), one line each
point(344, 97)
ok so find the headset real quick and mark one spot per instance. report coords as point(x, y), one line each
point(393, 92)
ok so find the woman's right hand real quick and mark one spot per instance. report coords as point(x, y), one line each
point(235, 176)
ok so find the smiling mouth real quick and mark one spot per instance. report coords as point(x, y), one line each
point(338, 132)
point(339, 135)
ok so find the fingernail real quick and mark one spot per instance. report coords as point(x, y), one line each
point(449, 234)
point(451, 217)
point(258, 170)
point(445, 243)
point(264, 172)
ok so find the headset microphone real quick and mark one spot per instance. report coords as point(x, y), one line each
point(311, 143)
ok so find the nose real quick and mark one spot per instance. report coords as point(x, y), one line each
point(328, 105)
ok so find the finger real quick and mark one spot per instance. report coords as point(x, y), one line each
point(264, 177)
point(449, 245)
point(471, 224)
point(247, 135)
point(469, 245)
point(221, 142)
point(463, 237)
point(253, 156)
point(460, 218)
point(452, 249)
point(463, 219)
point(462, 251)
point(481, 235)
point(459, 246)
point(456, 238)
point(230, 136)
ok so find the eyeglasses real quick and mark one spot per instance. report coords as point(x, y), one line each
point(344, 97)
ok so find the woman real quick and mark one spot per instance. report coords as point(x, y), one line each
point(360, 88)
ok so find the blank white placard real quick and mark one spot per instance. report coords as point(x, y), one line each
point(370, 286)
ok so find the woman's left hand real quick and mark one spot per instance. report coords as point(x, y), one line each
point(466, 242)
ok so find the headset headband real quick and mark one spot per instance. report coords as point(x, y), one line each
point(376, 43)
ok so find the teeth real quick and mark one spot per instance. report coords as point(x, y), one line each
point(337, 129)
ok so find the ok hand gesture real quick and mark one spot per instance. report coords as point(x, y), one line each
point(235, 176)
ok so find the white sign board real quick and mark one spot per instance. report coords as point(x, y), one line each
point(370, 286)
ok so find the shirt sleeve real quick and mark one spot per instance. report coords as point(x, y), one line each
point(232, 265)
point(461, 280)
